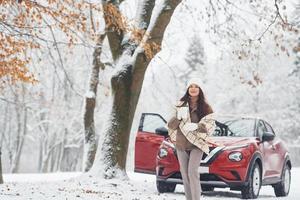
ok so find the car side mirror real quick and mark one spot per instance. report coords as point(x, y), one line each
point(268, 136)
point(162, 131)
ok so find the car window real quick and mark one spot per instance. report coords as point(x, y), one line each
point(152, 122)
point(269, 128)
point(261, 128)
point(235, 128)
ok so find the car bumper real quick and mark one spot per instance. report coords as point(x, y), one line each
point(206, 178)
point(220, 184)
point(213, 172)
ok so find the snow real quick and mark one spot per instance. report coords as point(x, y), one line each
point(138, 186)
point(42, 177)
point(90, 94)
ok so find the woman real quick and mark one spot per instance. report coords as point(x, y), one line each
point(189, 130)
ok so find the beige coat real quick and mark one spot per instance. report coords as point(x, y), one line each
point(198, 137)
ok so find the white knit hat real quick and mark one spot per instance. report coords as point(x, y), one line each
point(196, 81)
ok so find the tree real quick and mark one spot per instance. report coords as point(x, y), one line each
point(296, 49)
point(297, 62)
point(1, 178)
point(195, 57)
point(12, 136)
point(132, 50)
point(295, 77)
point(25, 27)
point(90, 146)
point(22, 24)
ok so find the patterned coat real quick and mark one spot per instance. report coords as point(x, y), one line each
point(198, 137)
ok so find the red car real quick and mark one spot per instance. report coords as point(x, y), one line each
point(249, 156)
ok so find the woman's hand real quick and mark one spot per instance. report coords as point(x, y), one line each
point(202, 128)
point(173, 123)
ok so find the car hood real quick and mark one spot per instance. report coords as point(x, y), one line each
point(233, 141)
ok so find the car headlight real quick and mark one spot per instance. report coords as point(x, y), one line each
point(162, 153)
point(235, 156)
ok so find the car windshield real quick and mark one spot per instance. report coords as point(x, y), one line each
point(235, 127)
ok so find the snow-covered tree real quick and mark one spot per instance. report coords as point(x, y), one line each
point(1, 177)
point(90, 143)
point(294, 76)
point(36, 36)
point(132, 50)
point(195, 58)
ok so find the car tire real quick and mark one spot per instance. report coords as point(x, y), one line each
point(206, 188)
point(163, 187)
point(282, 188)
point(251, 191)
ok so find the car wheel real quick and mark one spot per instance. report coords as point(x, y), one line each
point(206, 188)
point(282, 188)
point(163, 187)
point(251, 191)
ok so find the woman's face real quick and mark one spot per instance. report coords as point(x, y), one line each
point(194, 90)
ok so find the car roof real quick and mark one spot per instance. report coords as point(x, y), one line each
point(236, 116)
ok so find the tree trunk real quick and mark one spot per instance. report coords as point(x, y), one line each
point(21, 132)
point(90, 145)
point(1, 178)
point(126, 87)
point(20, 148)
point(115, 144)
point(2, 138)
point(61, 150)
point(45, 155)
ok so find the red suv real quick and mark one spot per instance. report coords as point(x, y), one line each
point(249, 156)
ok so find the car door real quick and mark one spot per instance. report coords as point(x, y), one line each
point(147, 142)
point(277, 157)
point(268, 152)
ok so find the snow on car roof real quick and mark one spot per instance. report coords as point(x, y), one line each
point(235, 116)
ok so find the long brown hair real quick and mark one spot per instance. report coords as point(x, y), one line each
point(203, 108)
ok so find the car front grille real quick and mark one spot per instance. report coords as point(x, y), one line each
point(203, 177)
point(209, 177)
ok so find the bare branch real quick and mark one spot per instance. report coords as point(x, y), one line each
point(62, 63)
point(278, 14)
point(268, 27)
point(114, 32)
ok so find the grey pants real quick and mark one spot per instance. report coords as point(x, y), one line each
point(189, 162)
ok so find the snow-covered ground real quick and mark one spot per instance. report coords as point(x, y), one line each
point(139, 186)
